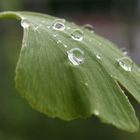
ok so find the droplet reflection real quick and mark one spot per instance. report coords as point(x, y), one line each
point(125, 63)
point(76, 56)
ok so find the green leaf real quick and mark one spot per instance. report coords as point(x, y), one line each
point(68, 71)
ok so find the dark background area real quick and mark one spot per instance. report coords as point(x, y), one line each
point(117, 20)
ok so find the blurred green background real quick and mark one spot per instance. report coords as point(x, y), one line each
point(117, 20)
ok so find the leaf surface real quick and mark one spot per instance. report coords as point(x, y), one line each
point(68, 71)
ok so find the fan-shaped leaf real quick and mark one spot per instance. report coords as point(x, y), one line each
point(68, 71)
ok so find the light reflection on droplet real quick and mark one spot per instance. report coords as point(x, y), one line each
point(59, 24)
point(125, 63)
point(124, 51)
point(77, 34)
point(98, 56)
point(65, 45)
point(76, 56)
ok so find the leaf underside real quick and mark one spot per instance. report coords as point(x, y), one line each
point(55, 86)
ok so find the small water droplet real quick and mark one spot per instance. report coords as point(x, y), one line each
point(98, 56)
point(76, 56)
point(125, 63)
point(65, 45)
point(89, 27)
point(59, 24)
point(96, 112)
point(124, 51)
point(77, 34)
point(25, 23)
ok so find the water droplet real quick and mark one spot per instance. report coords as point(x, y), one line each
point(25, 23)
point(59, 24)
point(76, 56)
point(65, 45)
point(96, 112)
point(77, 34)
point(124, 51)
point(98, 56)
point(125, 63)
point(89, 27)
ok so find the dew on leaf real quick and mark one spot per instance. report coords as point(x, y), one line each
point(77, 34)
point(89, 27)
point(59, 24)
point(76, 56)
point(98, 56)
point(125, 63)
point(124, 51)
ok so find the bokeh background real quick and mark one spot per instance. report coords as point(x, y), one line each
point(117, 20)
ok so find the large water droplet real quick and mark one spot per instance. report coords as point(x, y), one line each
point(59, 24)
point(124, 51)
point(76, 56)
point(89, 27)
point(125, 63)
point(77, 34)
point(25, 23)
